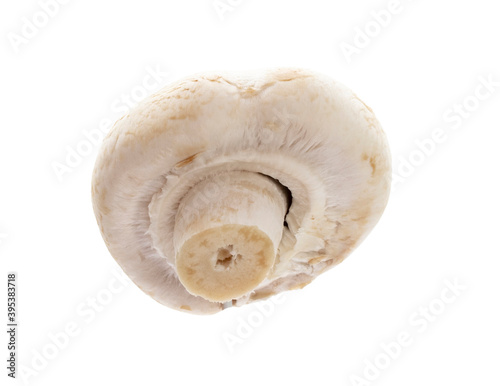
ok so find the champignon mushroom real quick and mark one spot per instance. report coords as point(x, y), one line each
point(228, 188)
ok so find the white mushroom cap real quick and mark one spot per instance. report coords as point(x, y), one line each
point(289, 155)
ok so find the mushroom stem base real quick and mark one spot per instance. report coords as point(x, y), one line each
point(227, 234)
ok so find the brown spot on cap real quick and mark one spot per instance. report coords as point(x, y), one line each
point(186, 161)
point(248, 92)
point(373, 165)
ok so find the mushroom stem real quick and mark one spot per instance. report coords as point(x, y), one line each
point(227, 232)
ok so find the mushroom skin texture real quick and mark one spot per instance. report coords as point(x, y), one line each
point(227, 188)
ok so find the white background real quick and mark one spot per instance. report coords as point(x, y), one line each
point(441, 222)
